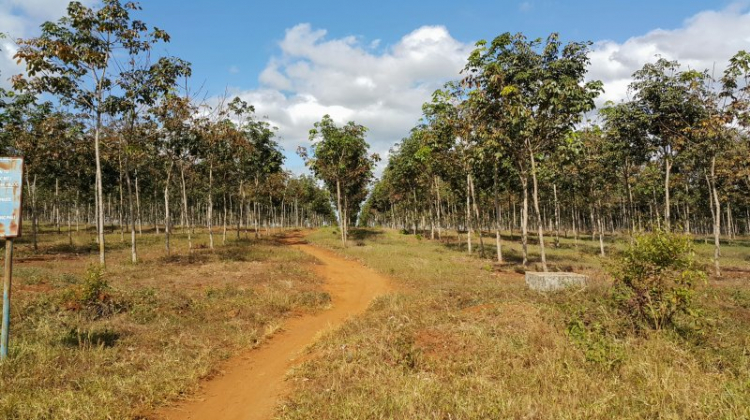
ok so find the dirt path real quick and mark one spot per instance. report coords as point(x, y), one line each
point(253, 382)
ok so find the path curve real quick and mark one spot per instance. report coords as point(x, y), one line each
point(253, 383)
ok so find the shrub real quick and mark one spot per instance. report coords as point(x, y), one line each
point(94, 287)
point(595, 341)
point(655, 279)
point(93, 296)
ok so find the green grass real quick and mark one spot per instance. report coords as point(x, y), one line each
point(169, 321)
point(465, 339)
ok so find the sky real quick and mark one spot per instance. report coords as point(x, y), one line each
point(376, 62)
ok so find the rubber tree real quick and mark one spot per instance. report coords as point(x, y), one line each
point(664, 94)
point(451, 137)
point(536, 91)
point(176, 142)
point(339, 157)
point(626, 128)
point(261, 159)
point(716, 137)
point(51, 143)
point(76, 59)
point(143, 84)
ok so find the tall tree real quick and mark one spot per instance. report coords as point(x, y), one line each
point(536, 93)
point(664, 94)
point(338, 156)
point(76, 60)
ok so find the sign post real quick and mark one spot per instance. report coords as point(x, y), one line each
point(11, 187)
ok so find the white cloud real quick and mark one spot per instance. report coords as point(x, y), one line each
point(37, 10)
point(347, 79)
point(233, 69)
point(21, 19)
point(705, 41)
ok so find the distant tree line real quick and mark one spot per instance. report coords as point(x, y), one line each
point(517, 144)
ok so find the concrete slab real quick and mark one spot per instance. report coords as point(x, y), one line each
point(549, 282)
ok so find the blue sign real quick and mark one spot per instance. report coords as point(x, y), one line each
point(11, 186)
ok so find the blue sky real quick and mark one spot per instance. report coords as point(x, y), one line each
point(376, 62)
point(222, 34)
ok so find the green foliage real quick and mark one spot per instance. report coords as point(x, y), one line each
point(339, 158)
point(655, 279)
point(93, 296)
point(598, 347)
point(94, 288)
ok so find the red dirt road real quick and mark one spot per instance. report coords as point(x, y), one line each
point(253, 383)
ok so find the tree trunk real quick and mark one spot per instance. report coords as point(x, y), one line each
point(716, 213)
point(131, 210)
point(438, 208)
point(70, 225)
point(478, 217)
point(78, 211)
point(498, 244)
point(209, 208)
point(687, 210)
point(668, 170)
point(154, 214)
point(601, 228)
point(56, 211)
point(185, 210)
point(224, 222)
point(99, 188)
point(346, 218)
point(167, 228)
point(557, 217)
point(468, 212)
point(540, 226)
point(341, 214)
point(120, 215)
point(241, 209)
point(730, 220)
point(574, 216)
point(525, 219)
point(32, 193)
point(138, 205)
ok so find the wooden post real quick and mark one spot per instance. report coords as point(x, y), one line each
point(11, 188)
point(7, 275)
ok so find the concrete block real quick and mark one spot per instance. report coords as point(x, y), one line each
point(549, 282)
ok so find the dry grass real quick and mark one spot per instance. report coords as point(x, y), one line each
point(169, 321)
point(466, 340)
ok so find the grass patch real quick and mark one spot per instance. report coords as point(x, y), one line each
point(116, 344)
point(466, 342)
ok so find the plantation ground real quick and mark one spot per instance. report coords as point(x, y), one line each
point(461, 338)
point(466, 340)
point(160, 326)
point(254, 382)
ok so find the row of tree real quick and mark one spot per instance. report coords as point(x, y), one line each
point(514, 132)
point(119, 138)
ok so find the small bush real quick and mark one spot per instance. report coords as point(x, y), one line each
point(596, 343)
point(655, 279)
point(93, 296)
point(94, 288)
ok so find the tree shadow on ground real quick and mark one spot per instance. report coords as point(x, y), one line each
point(90, 338)
point(361, 234)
